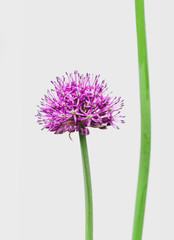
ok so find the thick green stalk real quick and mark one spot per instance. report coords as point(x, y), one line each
point(145, 122)
point(88, 188)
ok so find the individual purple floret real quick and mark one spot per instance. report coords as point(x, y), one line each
point(78, 102)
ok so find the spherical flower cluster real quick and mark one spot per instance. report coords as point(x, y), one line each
point(78, 102)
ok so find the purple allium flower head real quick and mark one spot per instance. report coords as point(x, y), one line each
point(78, 102)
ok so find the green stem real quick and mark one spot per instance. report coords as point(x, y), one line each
point(88, 188)
point(145, 122)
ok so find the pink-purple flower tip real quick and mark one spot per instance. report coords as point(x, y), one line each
point(78, 102)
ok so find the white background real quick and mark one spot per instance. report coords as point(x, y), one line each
point(41, 179)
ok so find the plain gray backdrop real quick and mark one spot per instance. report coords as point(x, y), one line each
point(41, 178)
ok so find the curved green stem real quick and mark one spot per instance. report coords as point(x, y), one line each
point(88, 188)
point(145, 122)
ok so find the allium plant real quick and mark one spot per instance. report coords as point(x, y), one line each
point(76, 103)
